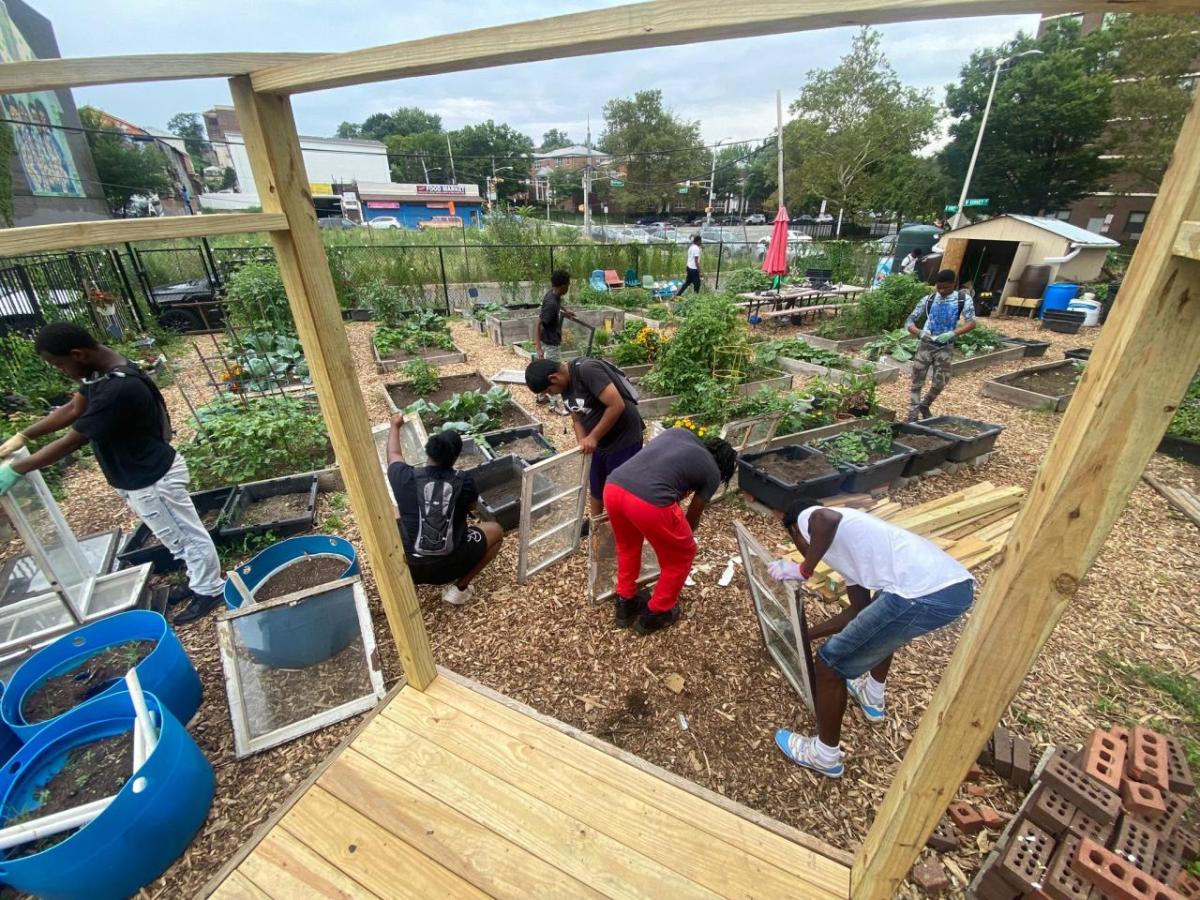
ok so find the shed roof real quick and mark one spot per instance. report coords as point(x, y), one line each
point(1072, 233)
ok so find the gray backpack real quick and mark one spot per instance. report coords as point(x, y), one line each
point(437, 498)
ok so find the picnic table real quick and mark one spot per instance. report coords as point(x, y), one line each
point(798, 301)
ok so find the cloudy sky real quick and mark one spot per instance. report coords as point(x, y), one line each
point(729, 86)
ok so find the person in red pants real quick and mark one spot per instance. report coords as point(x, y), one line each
point(642, 498)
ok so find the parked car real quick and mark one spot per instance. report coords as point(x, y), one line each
point(384, 222)
point(633, 236)
point(647, 220)
point(802, 220)
point(796, 246)
point(336, 222)
point(17, 312)
point(731, 220)
point(189, 306)
point(756, 219)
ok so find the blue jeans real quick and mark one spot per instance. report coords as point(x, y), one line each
point(890, 622)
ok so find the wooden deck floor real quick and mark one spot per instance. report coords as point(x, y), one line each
point(456, 792)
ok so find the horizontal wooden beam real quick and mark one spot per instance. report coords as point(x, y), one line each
point(51, 74)
point(660, 23)
point(41, 238)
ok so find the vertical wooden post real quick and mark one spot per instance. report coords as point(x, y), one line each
point(274, 151)
point(1138, 372)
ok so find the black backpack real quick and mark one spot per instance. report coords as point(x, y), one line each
point(625, 387)
point(437, 499)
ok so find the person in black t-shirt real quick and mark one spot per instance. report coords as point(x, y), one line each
point(548, 334)
point(607, 422)
point(122, 413)
point(474, 545)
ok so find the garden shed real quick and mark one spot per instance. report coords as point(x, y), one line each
point(993, 254)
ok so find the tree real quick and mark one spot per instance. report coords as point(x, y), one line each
point(658, 150)
point(478, 147)
point(850, 120)
point(1151, 91)
point(195, 139)
point(348, 130)
point(555, 139)
point(126, 167)
point(1041, 149)
point(404, 121)
point(419, 158)
point(228, 179)
point(912, 186)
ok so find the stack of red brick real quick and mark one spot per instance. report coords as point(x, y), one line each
point(1104, 822)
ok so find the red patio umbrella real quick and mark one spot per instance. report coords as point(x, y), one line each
point(775, 262)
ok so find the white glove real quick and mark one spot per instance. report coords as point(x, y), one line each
point(785, 570)
point(12, 445)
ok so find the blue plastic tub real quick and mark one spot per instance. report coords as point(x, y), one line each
point(301, 635)
point(1058, 296)
point(146, 827)
point(10, 743)
point(166, 672)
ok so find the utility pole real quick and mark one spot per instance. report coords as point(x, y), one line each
point(424, 168)
point(587, 182)
point(779, 139)
point(712, 183)
point(450, 151)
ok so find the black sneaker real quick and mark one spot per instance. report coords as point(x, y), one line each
point(585, 528)
point(200, 607)
point(178, 594)
point(656, 621)
point(628, 610)
point(925, 412)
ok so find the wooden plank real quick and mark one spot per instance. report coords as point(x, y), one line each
point(274, 151)
point(1187, 240)
point(262, 831)
point(558, 838)
point(675, 843)
point(238, 887)
point(1139, 370)
point(481, 856)
point(44, 238)
point(952, 258)
point(51, 74)
point(290, 870)
point(773, 842)
point(372, 856)
point(662, 23)
point(1183, 500)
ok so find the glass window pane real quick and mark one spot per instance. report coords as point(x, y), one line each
point(550, 525)
point(602, 563)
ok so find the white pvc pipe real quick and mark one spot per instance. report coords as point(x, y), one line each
point(149, 734)
point(1056, 260)
point(55, 823)
point(139, 745)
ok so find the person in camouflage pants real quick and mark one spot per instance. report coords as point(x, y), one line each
point(941, 311)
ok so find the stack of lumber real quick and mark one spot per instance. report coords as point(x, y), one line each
point(971, 525)
point(1181, 498)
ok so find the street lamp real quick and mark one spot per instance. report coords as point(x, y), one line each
point(712, 179)
point(987, 109)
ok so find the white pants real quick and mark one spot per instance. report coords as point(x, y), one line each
point(168, 511)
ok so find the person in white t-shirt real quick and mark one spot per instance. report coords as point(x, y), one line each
point(693, 267)
point(917, 589)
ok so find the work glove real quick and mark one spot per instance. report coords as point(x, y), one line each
point(12, 445)
point(785, 570)
point(945, 337)
point(925, 335)
point(8, 477)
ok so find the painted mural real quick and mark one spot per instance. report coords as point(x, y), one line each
point(45, 154)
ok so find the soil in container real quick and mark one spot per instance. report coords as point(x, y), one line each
point(527, 448)
point(304, 573)
point(275, 509)
point(873, 458)
point(924, 443)
point(1052, 383)
point(404, 394)
point(81, 682)
point(964, 429)
point(91, 772)
point(502, 494)
point(794, 471)
point(470, 457)
point(208, 520)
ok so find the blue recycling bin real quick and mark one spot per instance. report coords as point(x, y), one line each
point(166, 671)
point(149, 823)
point(1058, 296)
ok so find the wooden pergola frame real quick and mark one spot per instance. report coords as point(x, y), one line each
point(1139, 369)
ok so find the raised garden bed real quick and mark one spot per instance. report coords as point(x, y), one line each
point(971, 438)
point(960, 365)
point(400, 394)
point(847, 345)
point(657, 407)
point(143, 546)
point(779, 477)
point(357, 314)
point(881, 371)
point(1033, 347)
point(499, 485)
point(881, 467)
point(527, 444)
point(511, 330)
point(823, 431)
point(528, 354)
point(1048, 386)
point(929, 450)
point(1180, 448)
point(435, 356)
point(1080, 353)
point(284, 506)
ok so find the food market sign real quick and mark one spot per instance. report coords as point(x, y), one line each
point(442, 189)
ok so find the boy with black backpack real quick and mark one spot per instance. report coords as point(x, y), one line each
point(604, 412)
point(941, 311)
point(434, 500)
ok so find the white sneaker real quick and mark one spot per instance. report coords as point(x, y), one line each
point(456, 597)
point(804, 752)
point(858, 690)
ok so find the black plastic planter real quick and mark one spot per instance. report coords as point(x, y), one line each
point(777, 494)
point(1080, 353)
point(245, 494)
point(965, 447)
point(1032, 346)
point(496, 442)
point(356, 314)
point(922, 460)
point(1180, 448)
point(861, 479)
point(503, 474)
point(135, 552)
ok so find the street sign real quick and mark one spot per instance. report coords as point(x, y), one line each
point(976, 202)
point(951, 208)
point(617, 182)
point(683, 190)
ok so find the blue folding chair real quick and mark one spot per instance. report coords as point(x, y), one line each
point(596, 282)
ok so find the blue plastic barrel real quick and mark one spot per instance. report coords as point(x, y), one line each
point(166, 672)
point(1058, 296)
point(146, 827)
point(10, 743)
point(286, 552)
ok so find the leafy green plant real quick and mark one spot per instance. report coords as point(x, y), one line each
point(424, 377)
point(1186, 422)
point(742, 281)
point(266, 360)
point(799, 412)
point(899, 345)
point(420, 330)
point(659, 312)
point(256, 298)
point(470, 412)
point(265, 437)
point(386, 302)
point(884, 309)
point(483, 311)
point(602, 338)
point(26, 382)
point(857, 447)
point(977, 341)
point(768, 353)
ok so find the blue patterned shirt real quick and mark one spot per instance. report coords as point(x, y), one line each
point(943, 311)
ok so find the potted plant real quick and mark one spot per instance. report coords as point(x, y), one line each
point(930, 450)
point(868, 456)
point(971, 438)
point(779, 477)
